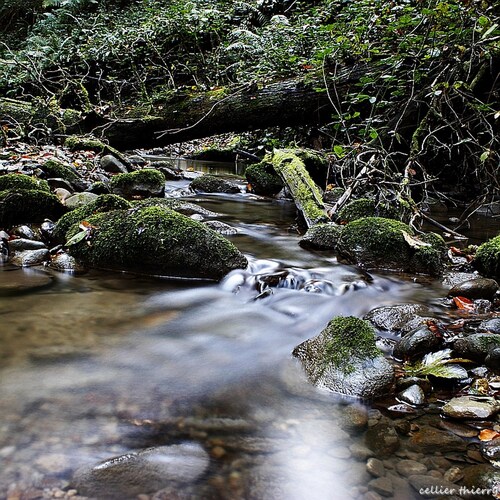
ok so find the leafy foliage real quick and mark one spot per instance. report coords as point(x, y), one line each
point(438, 364)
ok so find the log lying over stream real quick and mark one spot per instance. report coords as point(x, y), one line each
point(305, 193)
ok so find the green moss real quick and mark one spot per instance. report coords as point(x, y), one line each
point(138, 183)
point(315, 163)
point(21, 181)
point(365, 207)
point(322, 237)
point(211, 184)
point(28, 205)
point(104, 203)
point(157, 240)
point(99, 188)
point(487, 259)
point(80, 142)
point(263, 179)
point(55, 168)
point(346, 338)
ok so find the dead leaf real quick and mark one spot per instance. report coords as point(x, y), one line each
point(488, 435)
point(463, 303)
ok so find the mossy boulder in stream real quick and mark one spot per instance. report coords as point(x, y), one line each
point(146, 182)
point(323, 236)
point(487, 259)
point(380, 243)
point(344, 358)
point(263, 179)
point(56, 169)
point(104, 203)
point(21, 181)
point(365, 207)
point(212, 184)
point(156, 240)
point(28, 205)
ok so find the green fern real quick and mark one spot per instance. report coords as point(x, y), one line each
point(438, 364)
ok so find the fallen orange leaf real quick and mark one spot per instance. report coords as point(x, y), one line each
point(464, 303)
point(488, 435)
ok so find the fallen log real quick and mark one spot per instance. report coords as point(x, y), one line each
point(304, 191)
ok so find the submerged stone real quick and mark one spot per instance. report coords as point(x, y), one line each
point(146, 471)
point(344, 358)
point(20, 281)
point(322, 237)
point(156, 240)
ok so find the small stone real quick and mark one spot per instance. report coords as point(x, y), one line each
point(413, 395)
point(409, 468)
point(62, 194)
point(491, 450)
point(394, 318)
point(382, 439)
point(371, 495)
point(429, 439)
point(24, 232)
point(360, 452)
point(382, 485)
point(354, 418)
point(66, 263)
point(112, 165)
point(453, 475)
point(470, 407)
point(22, 244)
point(459, 429)
point(490, 325)
point(478, 288)
point(375, 467)
point(80, 200)
point(218, 452)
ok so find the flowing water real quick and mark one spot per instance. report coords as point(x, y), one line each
point(103, 364)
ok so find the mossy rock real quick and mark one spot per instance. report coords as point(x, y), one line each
point(21, 181)
point(487, 259)
point(145, 182)
point(104, 203)
point(380, 243)
point(84, 143)
point(322, 237)
point(181, 206)
point(263, 179)
point(365, 207)
point(344, 358)
point(55, 168)
point(99, 187)
point(28, 205)
point(212, 184)
point(156, 240)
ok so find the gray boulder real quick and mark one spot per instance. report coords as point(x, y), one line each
point(478, 288)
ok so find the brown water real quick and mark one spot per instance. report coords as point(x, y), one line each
point(103, 364)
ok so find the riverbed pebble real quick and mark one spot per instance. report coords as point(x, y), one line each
point(428, 440)
point(465, 407)
point(413, 395)
point(21, 244)
point(477, 288)
point(29, 258)
point(375, 467)
point(409, 468)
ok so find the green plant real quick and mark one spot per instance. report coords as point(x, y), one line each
point(438, 364)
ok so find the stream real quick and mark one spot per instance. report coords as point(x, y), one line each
point(105, 364)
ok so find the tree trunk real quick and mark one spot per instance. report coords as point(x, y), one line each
point(286, 103)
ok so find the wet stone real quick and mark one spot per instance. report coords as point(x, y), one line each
point(482, 476)
point(382, 486)
point(478, 288)
point(24, 232)
point(382, 439)
point(18, 281)
point(375, 467)
point(491, 451)
point(409, 468)
point(490, 325)
point(360, 452)
point(221, 227)
point(394, 318)
point(65, 263)
point(404, 383)
point(22, 244)
point(28, 258)
point(112, 165)
point(453, 475)
point(80, 200)
point(476, 346)
point(458, 428)
point(466, 407)
point(354, 418)
point(413, 395)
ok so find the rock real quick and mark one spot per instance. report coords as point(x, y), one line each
point(54, 168)
point(29, 258)
point(478, 288)
point(382, 439)
point(145, 182)
point(321, 237)
point(364, 207)
point(409, 468)
point(466, 407)
point(476, 346)
point(23, 244)
point(433, 487)
point(413, 395)
point(489, 325)
point(344, 358)
point(453, 278)
point(24, 182)
point(481, 477)
point(65, 263)
point(459, 429)
point(180, 206)
point(112, 165)
point(405, 382)
point(382, 485)
point(221, 227)
point(491, 451)
point(417, 343)
point(453, 474)
point(379, 243)
point(487, 259)
point(146, 471)
point(57, 183)
point(156, 240)
point(25, 232)
point(167, 169)
point(47, 230)
point(19, 281)
point(375, 467)
point(62, 194)
point(429, 439)
point(102, 203)
point(99, 187)
point(79, 200)
point(28, 206)
point(394, 318)
point(263, 179)
point(492, 360)
point(211, 184)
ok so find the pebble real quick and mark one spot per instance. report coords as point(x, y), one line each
point(24, 232)
point(22, 244)
point(375, 467)
point(413, 395)
point(382, 485)
point(112, 165)
point(428, 440)
point(29, 258)
point(453, 474)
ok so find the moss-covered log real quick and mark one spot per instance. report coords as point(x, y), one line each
point(304, 191)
